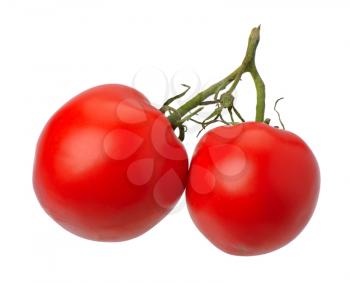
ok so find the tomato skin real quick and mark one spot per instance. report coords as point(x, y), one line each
point(108, 166)
point(252, 188)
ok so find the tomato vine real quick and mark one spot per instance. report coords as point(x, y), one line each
point(223, 98)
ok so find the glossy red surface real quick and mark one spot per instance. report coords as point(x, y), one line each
point(252, 188)
point(108, 166)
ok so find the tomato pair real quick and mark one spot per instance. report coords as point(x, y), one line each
point(108, 167)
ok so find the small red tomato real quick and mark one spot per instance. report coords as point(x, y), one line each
point(108, 166)
point(252, 188)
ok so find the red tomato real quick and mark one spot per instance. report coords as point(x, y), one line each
point(252, 188)
point(108, 166)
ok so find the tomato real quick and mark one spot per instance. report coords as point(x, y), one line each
point(108, 166)
point(252, 188)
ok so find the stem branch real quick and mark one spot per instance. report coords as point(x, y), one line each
point(200, 97)
point(248, 65)
point(260, 93)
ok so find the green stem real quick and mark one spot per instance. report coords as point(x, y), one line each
point(248, 65)
point(260, 93)
point(200, 97)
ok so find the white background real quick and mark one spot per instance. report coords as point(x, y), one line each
point(53, 50)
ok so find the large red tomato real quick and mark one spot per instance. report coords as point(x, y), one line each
point(108, 166)
point(252, 188)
